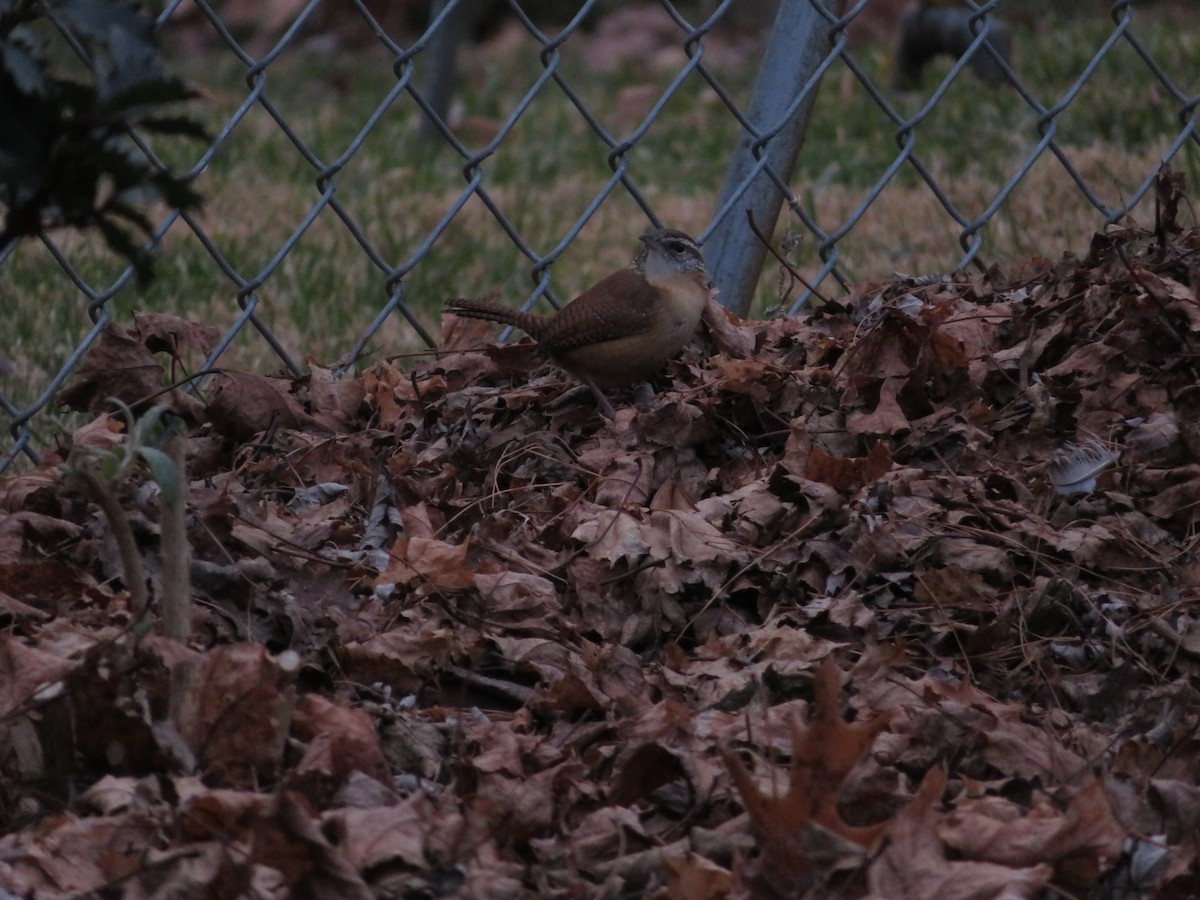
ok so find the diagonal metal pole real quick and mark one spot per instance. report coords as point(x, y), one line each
point(779, 115)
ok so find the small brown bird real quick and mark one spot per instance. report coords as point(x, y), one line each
point(627, 325)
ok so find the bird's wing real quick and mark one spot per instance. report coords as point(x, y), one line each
point(620, 305)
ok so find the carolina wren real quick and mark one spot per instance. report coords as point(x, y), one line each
point(628, 324)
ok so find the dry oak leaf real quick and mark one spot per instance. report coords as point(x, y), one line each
point(1174, 296)
point(913, 863)
point(732, 335)
point(744, 376)
point(886, 417)
point(567, 682)
point(525, 808)
point(118, 365)
point(242, 405)
point(102, 433)
point(48, 584)
point(24, 671)
point(676, 535)
point(1082, 842)
point(624, 476)
point(696, 878)
point(123, 364)
point(403, 656)
point(385, 390)
point(339, 741)
point(613, 535)
point(289, 840)
point(848, 475)
point(34, 490)
point(1178, 805)
point(334, 401)
point(25, 533)
point(823, 753)
point(14, 609)
point(521, 601)
point(68, 856)
point(605, 834)
point(236, 712)
point(428, 561)
point(391, 836)
point(177, 337)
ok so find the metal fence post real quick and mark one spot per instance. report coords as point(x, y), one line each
point(442, 58)
point(798, 45)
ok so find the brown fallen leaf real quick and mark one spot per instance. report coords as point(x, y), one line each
point(697, 878)
point(914, 866)
point(290, 841)
point(236, 711)
point(241, 405)
point(790, 827)
point(338, 741)
point(730, 334)
point(1082, 841)
point(118, 365)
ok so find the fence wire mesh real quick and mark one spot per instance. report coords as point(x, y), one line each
point(336, 228)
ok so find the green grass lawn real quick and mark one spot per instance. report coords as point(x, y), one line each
point(321, 297)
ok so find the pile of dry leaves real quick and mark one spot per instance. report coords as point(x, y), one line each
point(821, 617)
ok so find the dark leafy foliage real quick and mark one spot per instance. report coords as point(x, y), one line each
point(67, 153)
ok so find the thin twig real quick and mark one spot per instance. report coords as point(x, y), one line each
point(783, 262)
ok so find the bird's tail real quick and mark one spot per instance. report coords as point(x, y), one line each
point(530, 323)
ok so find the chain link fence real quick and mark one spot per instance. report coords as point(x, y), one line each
point(808, 62)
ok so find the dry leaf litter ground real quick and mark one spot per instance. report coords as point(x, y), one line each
point(810, 620)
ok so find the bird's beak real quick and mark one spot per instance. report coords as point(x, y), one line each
point(650, 239)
